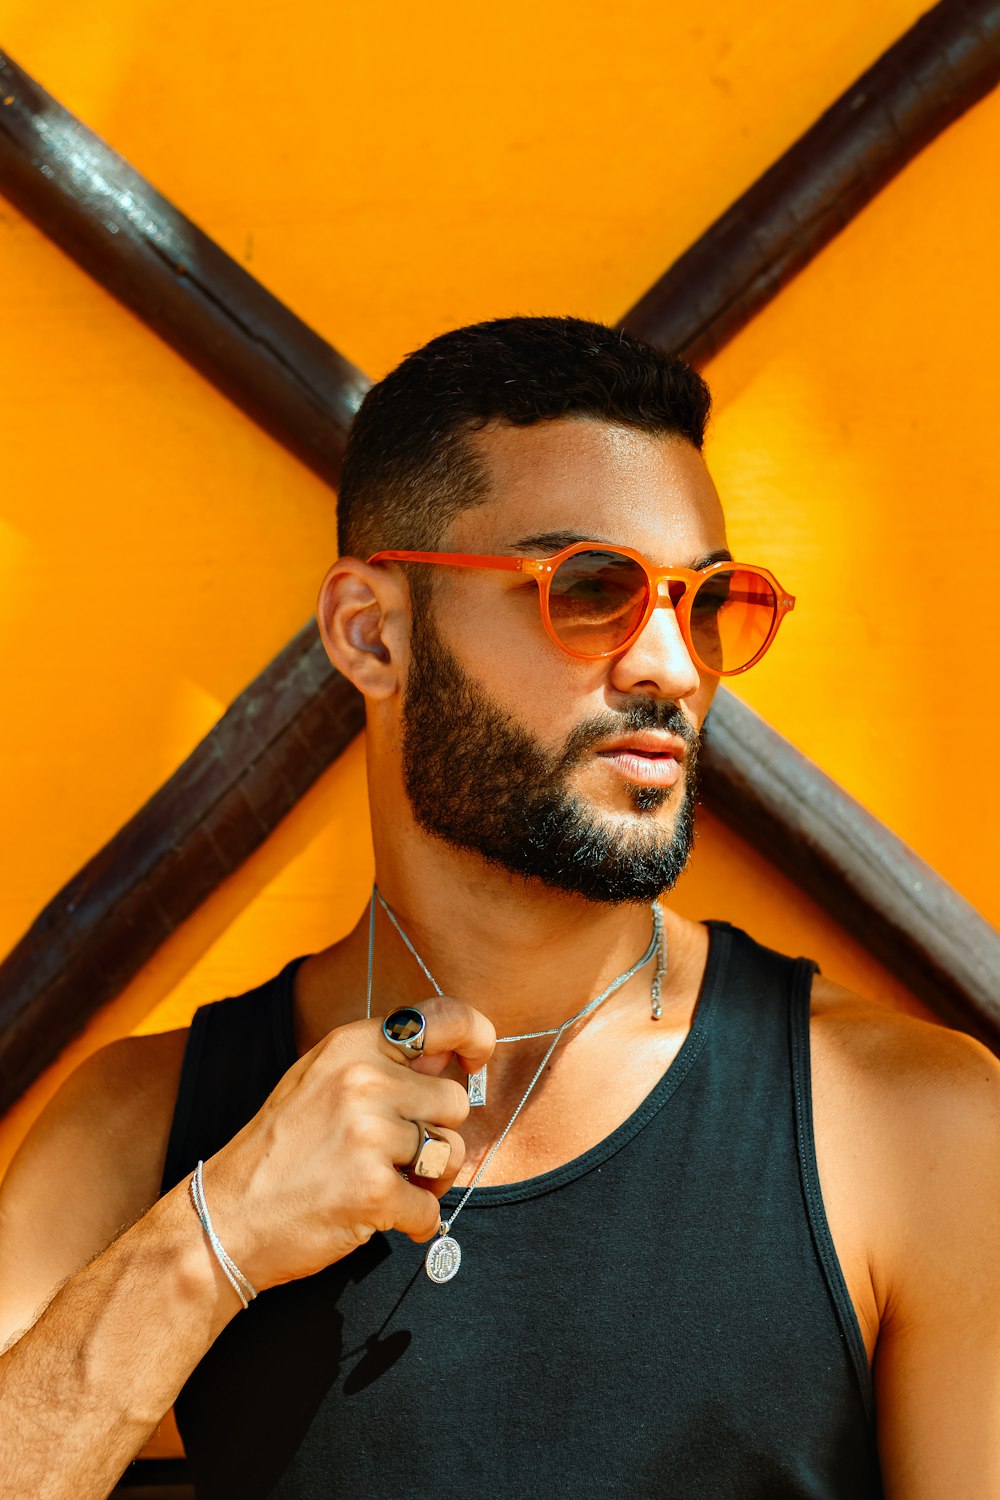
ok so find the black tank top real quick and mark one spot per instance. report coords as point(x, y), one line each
point(663, 1316)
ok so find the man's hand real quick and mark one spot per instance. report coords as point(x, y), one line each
point(314, 1174)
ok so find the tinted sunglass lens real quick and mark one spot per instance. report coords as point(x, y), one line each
point(732, 615)
point(596, 599)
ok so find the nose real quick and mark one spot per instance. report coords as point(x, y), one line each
point(658, 660)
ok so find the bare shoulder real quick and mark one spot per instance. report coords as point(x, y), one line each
point(89, 1166)
point(915, 1106)
point(908, 1115)
point(899, 1057)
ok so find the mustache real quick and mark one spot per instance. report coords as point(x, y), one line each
point(644, 714)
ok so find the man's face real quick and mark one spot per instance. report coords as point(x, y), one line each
point(511, 747)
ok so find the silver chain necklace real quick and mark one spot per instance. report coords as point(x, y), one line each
point(445, 1254)
point(477, 1081)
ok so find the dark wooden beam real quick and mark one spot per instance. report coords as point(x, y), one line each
point(937, 70)
point(219, 805)
point(104, 214)
point(885, 896)
point(97, 932)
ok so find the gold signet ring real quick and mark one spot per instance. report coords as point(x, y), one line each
point(406, 1029)
point(432, 1155)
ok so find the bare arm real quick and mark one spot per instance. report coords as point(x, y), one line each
point(84, 1388)
point(101, 1323)
point(103, 1327)
point(937, 1363)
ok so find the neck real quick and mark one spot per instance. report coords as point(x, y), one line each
point(527, 957)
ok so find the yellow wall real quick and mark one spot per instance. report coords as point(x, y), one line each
point(392, 171)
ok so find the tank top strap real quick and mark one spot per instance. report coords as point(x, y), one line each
point(236, 1052)
point(801, 1069)
point(758, 990)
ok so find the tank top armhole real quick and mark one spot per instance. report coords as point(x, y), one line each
point(176, 1164)
point(799, 1011)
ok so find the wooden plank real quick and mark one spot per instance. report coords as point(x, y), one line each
point(104, 214)
point(882, 893)
point(95, 934)
point(219, 805)
point(937, 70)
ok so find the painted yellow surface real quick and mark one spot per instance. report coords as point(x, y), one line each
point(392, 171)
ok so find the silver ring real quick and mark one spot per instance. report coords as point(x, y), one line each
point(432, 1155)
point(406, 1028)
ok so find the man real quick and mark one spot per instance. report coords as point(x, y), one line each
point(731, 1229)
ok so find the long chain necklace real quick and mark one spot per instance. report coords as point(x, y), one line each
point(445, 1254)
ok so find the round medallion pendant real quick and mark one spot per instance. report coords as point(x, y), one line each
point(443, 1258)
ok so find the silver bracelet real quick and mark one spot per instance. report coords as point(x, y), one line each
point(239, 1283)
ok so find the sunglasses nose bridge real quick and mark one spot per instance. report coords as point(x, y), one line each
point(668, 591)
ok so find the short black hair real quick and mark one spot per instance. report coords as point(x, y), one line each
point(408, 471)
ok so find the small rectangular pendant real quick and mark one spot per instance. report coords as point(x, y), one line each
point(477, 1087)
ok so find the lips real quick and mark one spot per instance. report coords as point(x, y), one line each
point(648, 759)
point(649, 743)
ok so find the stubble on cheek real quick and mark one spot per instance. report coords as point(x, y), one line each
point(478, 780)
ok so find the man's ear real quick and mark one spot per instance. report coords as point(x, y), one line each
point(363, 617)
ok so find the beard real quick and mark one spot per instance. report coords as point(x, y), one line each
point(479, 781)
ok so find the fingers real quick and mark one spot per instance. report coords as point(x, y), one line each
point(405, 1138)
point(415, 1210)
point(452, 1027)
point(436, 1101)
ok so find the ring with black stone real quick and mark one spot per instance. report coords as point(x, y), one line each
point(432, 1155)
point(406, 1028)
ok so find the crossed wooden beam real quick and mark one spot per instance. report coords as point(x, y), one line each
point(299, 714)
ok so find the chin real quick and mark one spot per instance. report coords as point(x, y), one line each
point(639, 803)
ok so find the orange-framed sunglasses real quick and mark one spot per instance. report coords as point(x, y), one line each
point(596, 600)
